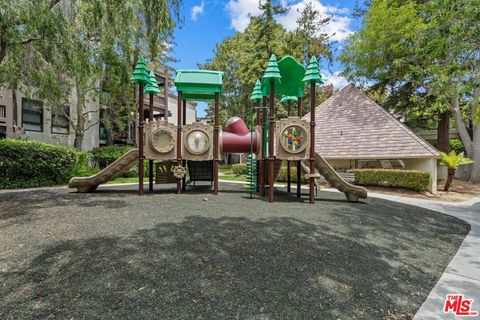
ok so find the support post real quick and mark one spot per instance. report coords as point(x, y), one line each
point(150, 162)
point(216, 151)
point(264, 144)
point(179, 138)
point(141, 124)
point(312, 140)
point(271, 159)
point(184, 162)
point(289, 178)
point(299, 164)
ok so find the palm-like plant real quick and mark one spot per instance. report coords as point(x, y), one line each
point(452, 161)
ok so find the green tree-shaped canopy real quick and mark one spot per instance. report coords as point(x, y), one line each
point(257, 92)
point(313, 72)
point(152, 85)
point(271, 73)
point(288, 98)
point(292, 75)
point(140, 73)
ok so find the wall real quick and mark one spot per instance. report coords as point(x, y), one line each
point(90, 140)
point(172, 108)
point(425, 164)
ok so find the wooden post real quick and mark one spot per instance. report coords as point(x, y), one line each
point(216, 151)
point(312, 141)
point(141, 124)
point(299, 164)
point(179, 138)
point(271, 159)
point(150, 162)
point(184, 162)
point(289, 178)
point(262, 158)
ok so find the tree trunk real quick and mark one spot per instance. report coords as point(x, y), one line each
point(443, 132)
point(451, 173)
point(80, 128)
point(475, 167)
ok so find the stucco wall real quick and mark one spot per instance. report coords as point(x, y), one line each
point(173, 107)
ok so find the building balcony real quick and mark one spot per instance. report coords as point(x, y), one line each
point(3, 114)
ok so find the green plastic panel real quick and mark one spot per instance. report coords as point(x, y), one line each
point(199, 84)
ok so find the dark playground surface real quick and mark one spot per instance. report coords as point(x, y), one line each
point(114, 255)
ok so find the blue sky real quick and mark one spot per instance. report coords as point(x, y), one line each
point(208, 22)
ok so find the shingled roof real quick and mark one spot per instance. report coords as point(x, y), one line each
point(349, 125)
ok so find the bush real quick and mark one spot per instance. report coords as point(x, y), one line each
point(282, 176)
point(410, 179)
point(239, 169)
point(25, 163)
point(104, 156)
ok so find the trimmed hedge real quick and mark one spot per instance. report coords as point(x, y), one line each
point(239, 169)
point(25, 163)
point(282, 176)
point(410, 179)
point(104, 156)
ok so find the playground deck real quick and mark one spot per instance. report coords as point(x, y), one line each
point(112, 254)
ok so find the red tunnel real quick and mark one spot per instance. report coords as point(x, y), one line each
point(236, 138)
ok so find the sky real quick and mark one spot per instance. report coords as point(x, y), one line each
point(205, 23)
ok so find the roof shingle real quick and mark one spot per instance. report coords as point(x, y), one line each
point(349, 125)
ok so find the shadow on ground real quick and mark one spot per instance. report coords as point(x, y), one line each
point(376, 260)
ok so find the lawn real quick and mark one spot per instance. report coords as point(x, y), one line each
point(113, 254)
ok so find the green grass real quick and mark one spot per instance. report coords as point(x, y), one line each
point(126, 180)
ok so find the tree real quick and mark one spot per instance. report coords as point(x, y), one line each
point(452, 161)
point(97, 42)
point(425, 54)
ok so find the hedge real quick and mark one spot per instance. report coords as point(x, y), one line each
point(25, 164)
point(104, 156)
point(282, 176)
point(239, 169)
point(410, 179)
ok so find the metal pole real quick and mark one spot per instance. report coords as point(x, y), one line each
point(312, 140)
point(150, 162)
point(271, 159)
point(217, 144)
point(141, 123)
point(289, 178)
point(179, 138)
point(299, 164)
point(184, 162)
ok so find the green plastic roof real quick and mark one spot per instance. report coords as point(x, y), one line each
point(199, 84)
point(257, 91)
point(152, 85)
point(313, 72)
point(288, 98)
point(140, 73)
point(292, 73)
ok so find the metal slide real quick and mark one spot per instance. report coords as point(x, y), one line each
point(352, 192)
point(114, 170)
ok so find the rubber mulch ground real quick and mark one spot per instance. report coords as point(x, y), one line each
point(114, 255)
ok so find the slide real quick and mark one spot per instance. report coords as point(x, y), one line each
point(114, 170)
point(352, 192)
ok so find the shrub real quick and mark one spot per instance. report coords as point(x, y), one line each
point(104, 156)
point(25, 163)
point(282, 176)
point(410, 179)
point(239, 169)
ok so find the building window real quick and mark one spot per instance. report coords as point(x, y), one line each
point(32, 115)
point(60, 123)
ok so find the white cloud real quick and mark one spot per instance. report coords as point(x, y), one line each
point(335, 79)
point(196, 11)
point(239, 11)
point(338, 27)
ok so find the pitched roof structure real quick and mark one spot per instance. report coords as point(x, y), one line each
point(349, 125)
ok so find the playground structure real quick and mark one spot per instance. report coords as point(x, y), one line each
point(268, 144)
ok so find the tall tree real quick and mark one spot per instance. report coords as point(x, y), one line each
point(425, 53)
